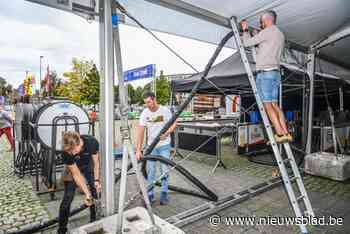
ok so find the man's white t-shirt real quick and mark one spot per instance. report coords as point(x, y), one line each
point(154, 122)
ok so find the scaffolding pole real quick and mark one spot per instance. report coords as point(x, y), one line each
point(311, 74)
point(341, 99)
point(107, 107)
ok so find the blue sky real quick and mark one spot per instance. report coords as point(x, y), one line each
point(29, 30)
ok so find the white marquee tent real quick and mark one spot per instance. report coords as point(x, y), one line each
point(309, 25)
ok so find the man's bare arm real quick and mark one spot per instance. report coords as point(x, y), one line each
point(96, 159)
point(172, 128)
point(169, 131)
point(140, 136)
point(79, 179)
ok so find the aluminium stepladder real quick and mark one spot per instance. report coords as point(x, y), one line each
point(295, 197)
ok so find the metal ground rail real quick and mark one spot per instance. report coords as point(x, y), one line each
point(210, 208)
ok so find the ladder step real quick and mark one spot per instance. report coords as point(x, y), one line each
point(306, 213)
point(300, 197)
point(294, 179)
point(269, 129)
point(286, 160)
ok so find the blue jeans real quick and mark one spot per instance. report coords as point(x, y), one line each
point(163, 151)
point(268, 84)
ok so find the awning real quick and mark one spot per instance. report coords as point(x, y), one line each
point(230, 76)
point(304, 22)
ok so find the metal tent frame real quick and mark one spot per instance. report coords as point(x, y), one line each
point(107, 80)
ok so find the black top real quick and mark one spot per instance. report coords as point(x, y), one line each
point(83, 159)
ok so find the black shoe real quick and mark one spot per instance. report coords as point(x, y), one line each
point(62, 230)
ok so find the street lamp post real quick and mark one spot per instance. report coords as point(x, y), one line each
point(41, 57)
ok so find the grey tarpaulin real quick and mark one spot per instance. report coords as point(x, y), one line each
point(231, 76)
point(303, 22)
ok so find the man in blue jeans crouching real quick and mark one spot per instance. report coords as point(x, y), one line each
point(153, 118)
point(270, 43)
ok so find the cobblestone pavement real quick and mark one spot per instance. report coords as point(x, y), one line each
point(19, 206)
point(327, 197)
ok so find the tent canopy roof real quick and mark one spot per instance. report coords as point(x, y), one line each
point(231, 77)
point(303, 22)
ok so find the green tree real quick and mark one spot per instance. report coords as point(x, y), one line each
point(138, 95)
point(163, 89)
point(148, 87)
point(2, 86)
point(6, 90)
point(116, 94)
point(90, 88)
point(73, 87)
point(131, 94)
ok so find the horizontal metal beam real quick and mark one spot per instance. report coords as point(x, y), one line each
point(68, 8)
point(334, 37)
point(65, 7)
point(194, 11)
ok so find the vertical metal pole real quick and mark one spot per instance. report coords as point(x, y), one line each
point(123, 101)
point(304, 114)
point(341, 99)
point(125, 132)
point(154, 80)
point(107, 107)
point(281, 106)
point(311, 74)
point(101, 106)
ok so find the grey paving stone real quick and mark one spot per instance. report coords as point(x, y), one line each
point(327, 197)
point(17, 198)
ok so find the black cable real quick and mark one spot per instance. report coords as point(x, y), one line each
point(209, 195)
point(174, 117)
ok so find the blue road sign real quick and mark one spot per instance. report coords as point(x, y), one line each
point(140, 73)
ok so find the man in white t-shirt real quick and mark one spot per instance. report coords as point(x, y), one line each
point(153, 118)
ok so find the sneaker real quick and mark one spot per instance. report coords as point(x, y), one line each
point(279, 139)
point(289, 137)
point(164, 199)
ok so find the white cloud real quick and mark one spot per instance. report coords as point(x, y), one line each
point(29, 30)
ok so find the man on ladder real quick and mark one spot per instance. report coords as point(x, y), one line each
point(270, 42)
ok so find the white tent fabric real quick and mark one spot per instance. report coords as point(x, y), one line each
point(161, 19)
point(304, 22)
